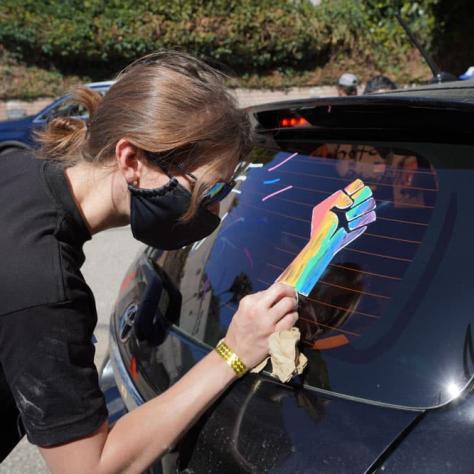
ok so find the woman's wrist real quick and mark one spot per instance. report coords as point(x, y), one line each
point(228, 374)
point(231, 358)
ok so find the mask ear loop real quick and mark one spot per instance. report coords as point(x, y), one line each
point(165, 167)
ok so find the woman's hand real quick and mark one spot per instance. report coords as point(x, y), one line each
point(258, 316)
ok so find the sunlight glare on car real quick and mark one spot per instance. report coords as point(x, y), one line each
point(453, 390)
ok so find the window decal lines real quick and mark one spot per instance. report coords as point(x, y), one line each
point(268, 196)
point(283, 162)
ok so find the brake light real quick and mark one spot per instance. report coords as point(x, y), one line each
point(293, 122)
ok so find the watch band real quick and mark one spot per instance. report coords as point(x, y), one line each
point(231, 358)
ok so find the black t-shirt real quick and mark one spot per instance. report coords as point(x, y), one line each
point(47, 311)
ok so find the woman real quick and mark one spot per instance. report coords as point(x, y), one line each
point(158, 152)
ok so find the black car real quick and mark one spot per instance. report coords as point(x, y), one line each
point(387, 329)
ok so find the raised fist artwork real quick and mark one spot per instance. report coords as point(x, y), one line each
point(335, 223)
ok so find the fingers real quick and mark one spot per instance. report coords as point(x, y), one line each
point(283, 303)
point(287, 322)
point(362, 221)
point(257, 318)
point(362, 195)
point(340, 200)
point(362, 212)
point(353, 187)
point(362, 208)
point(286, 305)
point(275, 293)
point(354, 194)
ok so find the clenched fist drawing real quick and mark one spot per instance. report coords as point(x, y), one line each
point(335, 223)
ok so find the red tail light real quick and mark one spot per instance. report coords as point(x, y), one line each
point(293, 122)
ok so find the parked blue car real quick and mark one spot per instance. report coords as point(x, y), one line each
point(19, 133)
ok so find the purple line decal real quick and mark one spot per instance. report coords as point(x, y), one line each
point(276, 192)
point(283, 162)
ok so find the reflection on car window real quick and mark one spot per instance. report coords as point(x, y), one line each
point(359, 283)
point(68, 109)
point(347, 321)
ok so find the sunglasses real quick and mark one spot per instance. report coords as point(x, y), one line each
point(216, 193)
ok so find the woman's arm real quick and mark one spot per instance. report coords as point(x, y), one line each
point(145, 434)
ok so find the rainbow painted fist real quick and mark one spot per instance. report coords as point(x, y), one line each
point(335, 223)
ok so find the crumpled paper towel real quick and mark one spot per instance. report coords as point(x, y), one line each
point(287, 361)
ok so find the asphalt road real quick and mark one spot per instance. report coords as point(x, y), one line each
point(108, 255)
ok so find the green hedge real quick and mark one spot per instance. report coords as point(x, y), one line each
point(96, 38)
point(244, 35)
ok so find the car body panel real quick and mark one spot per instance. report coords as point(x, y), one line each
point(336, 432)
point(296, 427)
point(441, 442)
point(259, 424)
point(16, 133)
point(264, 426)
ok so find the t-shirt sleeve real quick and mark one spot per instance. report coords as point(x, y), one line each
point(47, 355)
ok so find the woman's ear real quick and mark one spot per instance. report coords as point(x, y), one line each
point(127, 156)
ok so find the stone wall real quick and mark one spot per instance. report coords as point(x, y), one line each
point(22, 108)
point(247, 97)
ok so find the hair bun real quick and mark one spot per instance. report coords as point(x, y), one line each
point(64, 137)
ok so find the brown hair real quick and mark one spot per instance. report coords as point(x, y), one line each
point(169, 103)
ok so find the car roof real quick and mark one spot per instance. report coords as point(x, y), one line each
point(435, 112)
point(445, 89)
point(459, 92)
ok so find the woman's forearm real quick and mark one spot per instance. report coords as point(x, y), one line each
point(148, 432)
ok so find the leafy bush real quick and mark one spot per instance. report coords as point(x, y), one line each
point(246, 35)
point(369, 31)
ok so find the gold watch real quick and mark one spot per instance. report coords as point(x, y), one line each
point(231, 358)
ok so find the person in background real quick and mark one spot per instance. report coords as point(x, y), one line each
point(379, 84)
point(347, 85)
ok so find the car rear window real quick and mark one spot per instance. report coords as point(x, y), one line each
point(389, 319)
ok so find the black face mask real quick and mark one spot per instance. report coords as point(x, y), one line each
point(154, 217)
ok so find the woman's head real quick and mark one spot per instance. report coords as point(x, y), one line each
point(168, 103)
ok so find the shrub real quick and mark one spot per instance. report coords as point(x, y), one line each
point(247, 35)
